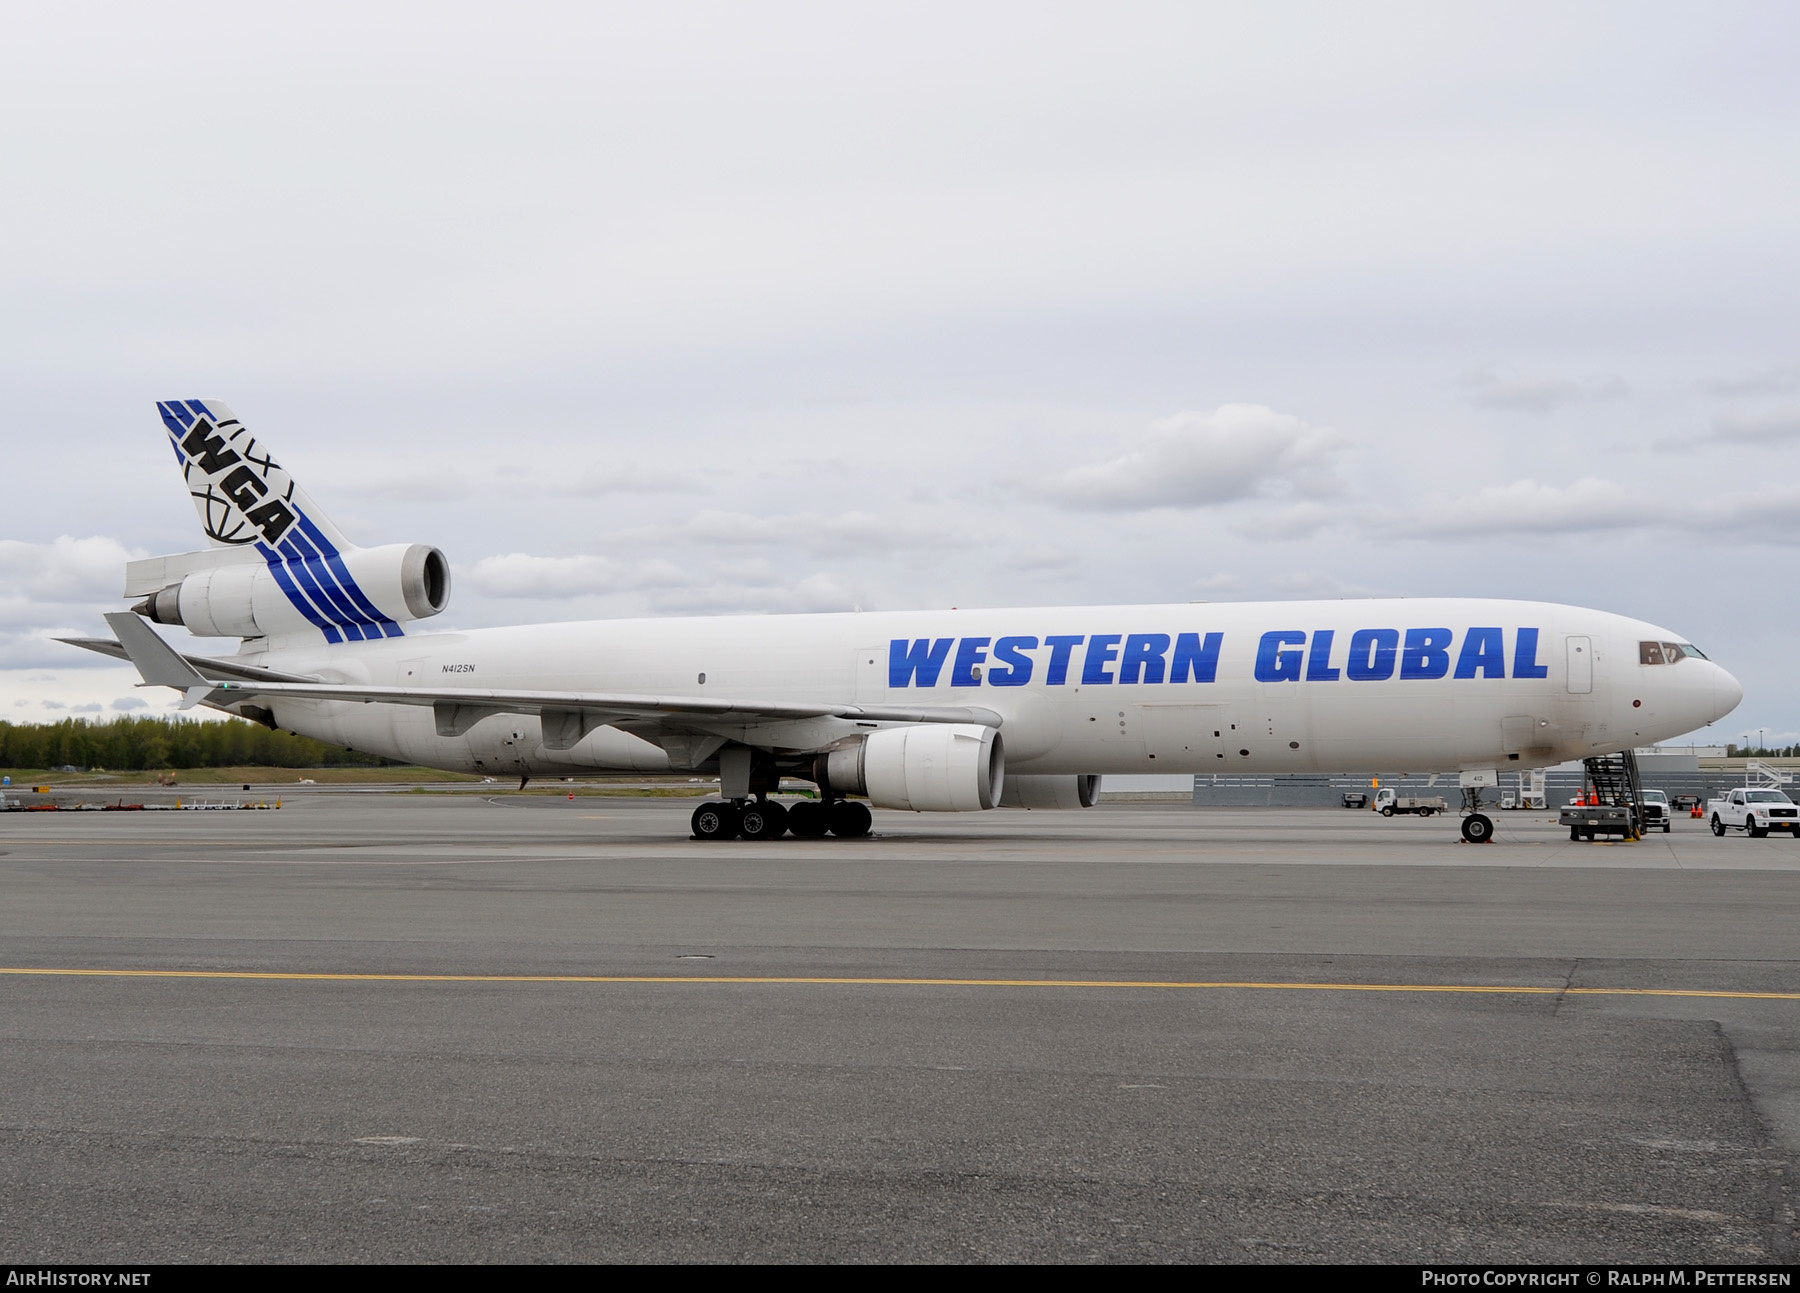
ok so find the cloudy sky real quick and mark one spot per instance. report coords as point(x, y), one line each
point(760, 308)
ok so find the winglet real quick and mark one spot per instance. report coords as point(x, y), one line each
point(155, 659)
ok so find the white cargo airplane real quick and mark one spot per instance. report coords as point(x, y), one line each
point(925, 710)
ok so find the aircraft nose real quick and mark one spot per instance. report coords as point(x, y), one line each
point(1727, 692)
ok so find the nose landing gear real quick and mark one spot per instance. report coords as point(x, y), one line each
point(1477, 826)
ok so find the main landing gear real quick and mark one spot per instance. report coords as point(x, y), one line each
point(764, 819)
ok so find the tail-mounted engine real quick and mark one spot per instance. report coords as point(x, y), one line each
point(362, 593)
point(933, 768)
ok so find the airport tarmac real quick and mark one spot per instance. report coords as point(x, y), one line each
point(495, 1027)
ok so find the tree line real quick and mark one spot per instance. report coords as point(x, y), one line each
point(135, 744)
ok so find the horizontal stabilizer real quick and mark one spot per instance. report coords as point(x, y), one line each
point(155, 659)
point(207, 665)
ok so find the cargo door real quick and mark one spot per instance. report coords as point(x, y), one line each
point(1581, 665)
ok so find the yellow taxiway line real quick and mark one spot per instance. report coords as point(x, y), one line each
point(873, 982)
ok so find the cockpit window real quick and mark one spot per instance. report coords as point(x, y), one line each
point(1694, 651)
point(1665, 652)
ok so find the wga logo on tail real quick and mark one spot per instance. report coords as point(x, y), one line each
point(242, 494)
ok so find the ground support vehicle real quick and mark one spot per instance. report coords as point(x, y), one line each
point(1387, 803)
point(1356, 799)
point(1754, 810)
point(1585, 821)
point(1656, 809)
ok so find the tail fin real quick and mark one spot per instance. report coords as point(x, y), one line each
point(252, 511)
point(242, 494)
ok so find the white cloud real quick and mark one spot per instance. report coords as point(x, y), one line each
point(1539, 395)
point(1235, 452)
point(752, 585)
point(1758, 428)
point(1528, 507)
point(66, 571)
point(1300, 520)
point(1767, 516)
point(1768, 381)
point(843, 532)
point(519, 574)
point(1218, 583)
point(818, 592)
point(552, 475)
point(1043, 557)
point(124, 703)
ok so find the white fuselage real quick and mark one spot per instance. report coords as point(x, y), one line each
point(1335, 686)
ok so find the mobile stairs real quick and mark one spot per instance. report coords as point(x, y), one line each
point(1612, 799)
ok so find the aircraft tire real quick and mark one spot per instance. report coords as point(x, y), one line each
point(1718, 827)
point(763, 820)
point(1478, 828)
point(715, 821)
point(809, 821)
point(850, 820)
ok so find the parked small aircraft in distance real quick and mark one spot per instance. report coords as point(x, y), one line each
point(942, 711)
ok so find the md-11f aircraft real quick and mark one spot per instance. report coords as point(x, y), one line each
point(938, 711)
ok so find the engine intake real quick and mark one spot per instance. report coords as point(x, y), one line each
point(931, 768)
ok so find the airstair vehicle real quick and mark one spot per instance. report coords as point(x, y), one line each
point(1613, 799)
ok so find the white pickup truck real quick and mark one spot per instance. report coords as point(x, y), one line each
point(1754, 811)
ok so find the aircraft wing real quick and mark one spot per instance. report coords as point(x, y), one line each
point(459, 708)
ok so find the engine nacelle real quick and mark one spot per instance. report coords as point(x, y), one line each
point(932, 768)
point(1051, 792)
point(354, 595)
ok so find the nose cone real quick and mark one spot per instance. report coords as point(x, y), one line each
point(1727, 692)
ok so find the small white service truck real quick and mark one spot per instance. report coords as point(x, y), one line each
point(1388, 802)
point(1754, 810)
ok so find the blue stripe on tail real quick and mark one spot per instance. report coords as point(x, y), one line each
point(278, 568)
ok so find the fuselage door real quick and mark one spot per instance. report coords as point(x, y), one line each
point(1581, 665)
point(871, 674)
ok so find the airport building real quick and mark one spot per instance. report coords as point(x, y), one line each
point(1674, 771)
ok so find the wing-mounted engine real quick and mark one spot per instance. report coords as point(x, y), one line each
point(932, 768)
point(363, 593)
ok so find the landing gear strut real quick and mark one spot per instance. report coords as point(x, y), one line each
point(1477, 826)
